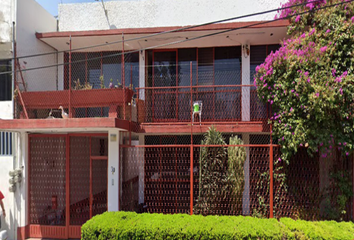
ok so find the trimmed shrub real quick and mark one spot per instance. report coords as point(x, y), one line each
point(130, 225)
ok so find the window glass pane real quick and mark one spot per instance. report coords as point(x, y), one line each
point(185, 57)
point(5, 81)
point(132, 70)
point(5, 143)
point(78, 69)
point(227, 65)
point(164, 69)
point(205, 66)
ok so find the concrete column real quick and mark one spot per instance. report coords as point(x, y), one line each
point(60, 72)
point(246, 167)
point(245, 81)
point(142, 74)
point(141, 168)
point(113, 170)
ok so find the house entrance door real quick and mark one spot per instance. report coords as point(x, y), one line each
point(98, 185)
point(67, 183)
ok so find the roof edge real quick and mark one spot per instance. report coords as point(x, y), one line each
point(152, 30)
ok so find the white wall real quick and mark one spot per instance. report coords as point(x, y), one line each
point(157, 13)
point(32, 18)
point(6, 19)
point(7, 9)
point(6, 110)
point(6, 164)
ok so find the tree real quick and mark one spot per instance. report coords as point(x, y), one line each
point(236, 174)
point(309, 81)
point(212, 174)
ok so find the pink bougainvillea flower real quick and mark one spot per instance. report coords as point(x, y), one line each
point(298, 18)
point(317, 94)
point(312, 32)
point(323, 49)
point(328, 31)
point(352, 19)
point(334, 72)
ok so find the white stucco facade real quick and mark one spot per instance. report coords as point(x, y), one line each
point(7, 11)
point(157, 13)
point(27, 24)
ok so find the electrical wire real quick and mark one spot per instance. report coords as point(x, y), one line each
point(172, 31)
point(180, 41)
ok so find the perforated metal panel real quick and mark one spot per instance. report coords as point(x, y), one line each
point(47, 181)
point(167, 179)
point(99, 186)
point(79, 180)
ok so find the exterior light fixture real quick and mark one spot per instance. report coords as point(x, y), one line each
point(246, 50)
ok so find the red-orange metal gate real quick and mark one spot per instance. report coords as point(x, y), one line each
point(66, 170)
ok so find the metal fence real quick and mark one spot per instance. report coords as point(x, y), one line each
point(196, 179)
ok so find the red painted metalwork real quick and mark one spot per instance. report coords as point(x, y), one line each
point(234, 127)
point(175, 92)
point(271, 175)
point(123, 74)
point(70, 82)
point(21, 75)
point(32, 124)
point(191, 148)
point(67, 187)
point(91, 197)
point(57, 148)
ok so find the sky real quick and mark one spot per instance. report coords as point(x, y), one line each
point(52, 5)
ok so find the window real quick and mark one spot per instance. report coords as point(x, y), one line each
point(88, 67)
point(5, 80)
point(259, 53)
point(5, 143)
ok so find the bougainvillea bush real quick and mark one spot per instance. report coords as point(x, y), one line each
point(309, 80)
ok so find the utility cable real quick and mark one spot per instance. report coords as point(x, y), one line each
point(172, 31)
point(180, 41)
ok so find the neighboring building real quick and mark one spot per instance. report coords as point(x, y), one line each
point(17, 20)
point(127, 147)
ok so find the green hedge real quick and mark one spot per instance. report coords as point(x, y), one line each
point(128, 225)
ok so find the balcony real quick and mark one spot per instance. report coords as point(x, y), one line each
point(231, 106)
point(78, 103)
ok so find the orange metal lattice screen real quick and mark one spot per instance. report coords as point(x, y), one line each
point(47, 180)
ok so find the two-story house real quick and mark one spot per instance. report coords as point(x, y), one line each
point(138, 85)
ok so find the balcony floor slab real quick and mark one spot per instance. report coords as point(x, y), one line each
point(59, 124)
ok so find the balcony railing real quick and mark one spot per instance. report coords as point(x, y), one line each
point(76, 103)
point(220, 103)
